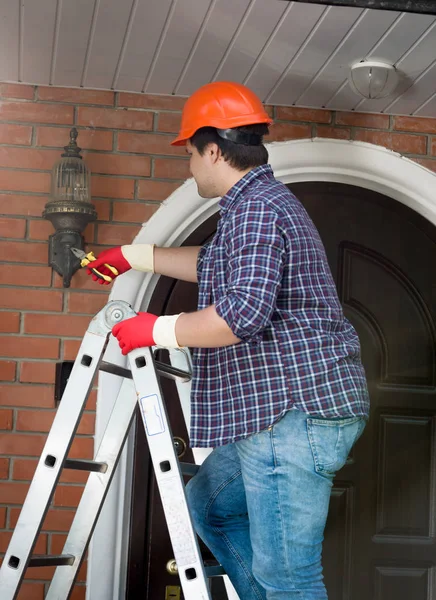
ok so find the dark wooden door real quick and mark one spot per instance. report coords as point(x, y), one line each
point(380, 540)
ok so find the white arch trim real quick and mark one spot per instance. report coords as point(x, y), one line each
point(355, 163)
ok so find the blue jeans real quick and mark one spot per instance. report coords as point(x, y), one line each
point(261, 504)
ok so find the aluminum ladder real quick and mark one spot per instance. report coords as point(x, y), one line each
point(144, 371)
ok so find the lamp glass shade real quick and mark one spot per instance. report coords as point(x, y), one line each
point(373, 80)
point(71, 180)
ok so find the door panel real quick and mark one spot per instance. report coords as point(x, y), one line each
point(382, 256)
point(379, 541)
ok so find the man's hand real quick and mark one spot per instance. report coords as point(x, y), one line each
point(146, 330)
point(136, 332)
point(114, 257)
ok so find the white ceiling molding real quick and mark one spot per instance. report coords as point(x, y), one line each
point(354, 163)
point(289, 53)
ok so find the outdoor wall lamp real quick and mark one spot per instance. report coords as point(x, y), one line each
point(69, 209)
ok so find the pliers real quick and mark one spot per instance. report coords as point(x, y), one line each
point(87, 258)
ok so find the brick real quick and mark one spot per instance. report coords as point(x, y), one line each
point(310, 115)
point(31, 591)
point(28, 299)
point(68, 495)
point(78, 593)
point(17, 91)
point(24, 468)
point(12, 228)
point(149, 143)
point(19, 395)
point(88, 304)
point(15, 134)
point(418, 124)
point(29, 347)
point(111, 187)
point(133, 212)
point(70, 349)
point(400, 142)
point(155, 190)
point(8, 369)
point(132, 100)
point(103, 209)
point(6, 419)
point(23, 252)
point(116, 164)
point(2, 516)
point(337, 133)
point(116, 234)
point(428, 163)
point(12, 492)
point(169, 122)
point(9, 322)
point(32, 112)
point(91, 403)
point(169, 168)
point(38, 372)
point(82, 447)
point(373, 121)
point(28, 158)
point(40, 421)
point(75, 96)
point(88, 139)
point(120, 118)
point(58, 325)
point(4, 471)
point(288, 131)
point(26, 206)
point(21, 444)
point(24, 181)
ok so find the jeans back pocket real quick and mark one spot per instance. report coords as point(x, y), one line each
point(331, 441)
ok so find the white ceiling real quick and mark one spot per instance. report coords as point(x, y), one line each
point(290, 53)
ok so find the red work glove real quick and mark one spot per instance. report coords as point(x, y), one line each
point(136, 332)
point(113, 257)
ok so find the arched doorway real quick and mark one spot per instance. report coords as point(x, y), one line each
point(350, 163)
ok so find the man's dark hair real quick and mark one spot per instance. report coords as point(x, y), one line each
point(239, 156)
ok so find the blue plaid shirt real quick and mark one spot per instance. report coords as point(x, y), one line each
point(267, 274)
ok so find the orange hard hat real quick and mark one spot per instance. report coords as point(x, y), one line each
point(223, 105)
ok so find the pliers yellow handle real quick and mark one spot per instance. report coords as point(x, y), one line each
point(87, 258)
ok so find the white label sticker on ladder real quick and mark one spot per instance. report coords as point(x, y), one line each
point(178, 522)
point(151, 411)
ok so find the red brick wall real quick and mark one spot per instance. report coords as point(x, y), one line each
point(125, 138)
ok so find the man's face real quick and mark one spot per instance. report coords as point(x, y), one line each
point(202, 170)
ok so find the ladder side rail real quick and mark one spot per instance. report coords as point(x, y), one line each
point(95, 491)
point(168, 476)
point(50, 464)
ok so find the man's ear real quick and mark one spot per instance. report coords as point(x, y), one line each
point(214, 152)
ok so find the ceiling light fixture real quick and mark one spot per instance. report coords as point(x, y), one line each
point(373, 79)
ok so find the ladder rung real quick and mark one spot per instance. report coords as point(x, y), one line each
point(189, 469)
point(214, 570)
point(58, 560)
point(163, 369)
point(85, 465)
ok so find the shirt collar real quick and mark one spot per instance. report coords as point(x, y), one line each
point(262, 172)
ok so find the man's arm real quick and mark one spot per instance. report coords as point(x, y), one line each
point(180, 263)
point(204, 329)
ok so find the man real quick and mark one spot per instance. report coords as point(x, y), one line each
point(279, 390)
